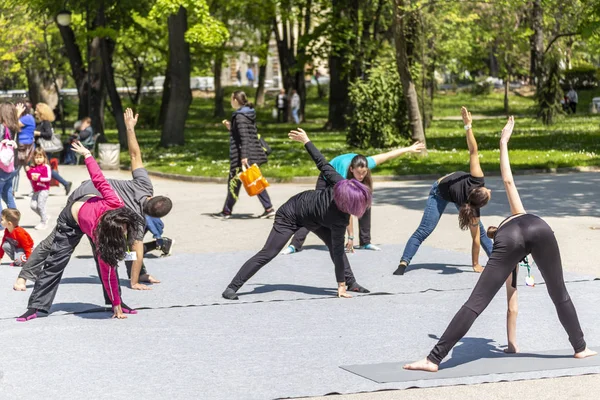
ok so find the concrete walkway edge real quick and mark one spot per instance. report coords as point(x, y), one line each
point(376, 178)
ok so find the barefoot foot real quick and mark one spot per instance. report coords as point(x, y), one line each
point(422, 365)
point(586, 353)
point(20, 285)
point(511, 349)
point(148, 278)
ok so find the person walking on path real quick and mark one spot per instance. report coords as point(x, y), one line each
point(325, 212)
point(517, 236)
point(295, 104)
point(573, 100)
point(352, 165)
point(281, 104)
point(40, 176)
point(45, 131)
point(25, 140)
point(244, 150)
point(9, 127)
point(468, 193)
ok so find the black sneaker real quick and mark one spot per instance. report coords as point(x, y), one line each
point(355, 287)
point(230, 294)
point(401, 269)
point(167, 246)
point(221, 215)
point(68, 188)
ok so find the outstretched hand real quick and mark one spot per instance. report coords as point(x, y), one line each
point(299, 135)
point(466, 116)
point(78, 148)
point(130, 120)
point(416, 147)
point(507, 130)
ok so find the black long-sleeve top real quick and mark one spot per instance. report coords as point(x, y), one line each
point(316, 209)
point(45, 129)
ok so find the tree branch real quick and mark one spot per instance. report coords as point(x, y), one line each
point(555, 38)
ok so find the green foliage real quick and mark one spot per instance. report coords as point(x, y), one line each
point(378, 117)
point(549, 96)
point(482, 88)
point(203, 28)
point(582, 77)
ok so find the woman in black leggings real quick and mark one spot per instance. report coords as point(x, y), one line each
point(516, 237)
point(325, 212)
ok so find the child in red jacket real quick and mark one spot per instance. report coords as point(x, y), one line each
point(16, 243)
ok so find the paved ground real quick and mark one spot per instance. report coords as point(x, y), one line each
point(568, 202)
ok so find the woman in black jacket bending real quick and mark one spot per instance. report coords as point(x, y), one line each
point(244, 150)
point(325, 212)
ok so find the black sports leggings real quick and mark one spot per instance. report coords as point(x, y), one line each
point(523, 235)
point(283, 229)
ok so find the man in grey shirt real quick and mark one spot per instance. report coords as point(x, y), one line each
point(137, 194)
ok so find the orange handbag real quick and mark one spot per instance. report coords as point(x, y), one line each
point(253, 180)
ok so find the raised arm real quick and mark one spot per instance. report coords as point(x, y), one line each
point(514, 200)
point(135, 154)
point(475, 167)
point(98, 179)
point(328, 171)
point(390, 155)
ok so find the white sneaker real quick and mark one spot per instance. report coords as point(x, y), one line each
point(41, 226)
point(289, 250)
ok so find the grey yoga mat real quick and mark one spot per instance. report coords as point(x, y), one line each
point(488, 364)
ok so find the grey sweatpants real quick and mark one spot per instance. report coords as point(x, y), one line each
point(38, 204)
point(13, 252)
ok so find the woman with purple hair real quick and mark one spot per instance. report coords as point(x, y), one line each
point(325, 212)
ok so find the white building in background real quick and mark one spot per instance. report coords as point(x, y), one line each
point(243, 61)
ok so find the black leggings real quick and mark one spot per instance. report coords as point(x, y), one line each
point(283, 229)
point(66, 237)
point(523, 235)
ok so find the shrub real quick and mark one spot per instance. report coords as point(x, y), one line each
point(582, 77)
point(378, 116)
point(482, 88)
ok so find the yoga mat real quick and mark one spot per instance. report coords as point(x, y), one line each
point(493, 363)
point(199, 279)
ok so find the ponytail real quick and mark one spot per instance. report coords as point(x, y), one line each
point(242, 99)
point(466, 215)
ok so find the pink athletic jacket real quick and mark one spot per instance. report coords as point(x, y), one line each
point(89, 216)
point(43, 182)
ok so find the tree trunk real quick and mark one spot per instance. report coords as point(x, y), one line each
point(339, 101)
point(166, 95)
point(97, 86)
point(219, 107)
point(40, 88)
point(180, 68)
point(408, 86)
point(537, 42)
point(262, 68)
point(78, 70)
point(494, 67)
point(108, 48)
point(506, 87)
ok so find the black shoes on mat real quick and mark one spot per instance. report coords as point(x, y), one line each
point(401, 269)
point(230, 294)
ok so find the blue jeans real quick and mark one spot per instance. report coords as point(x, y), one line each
point(6, 188)
point(434, 209)
point(295, 115)
point(59, 178)
point(155, 226)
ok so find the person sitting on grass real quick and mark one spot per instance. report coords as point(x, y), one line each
point(16, 243)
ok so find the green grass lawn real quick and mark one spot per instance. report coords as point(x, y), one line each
point(573, 141)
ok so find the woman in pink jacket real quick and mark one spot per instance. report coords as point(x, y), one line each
point(107, 222)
